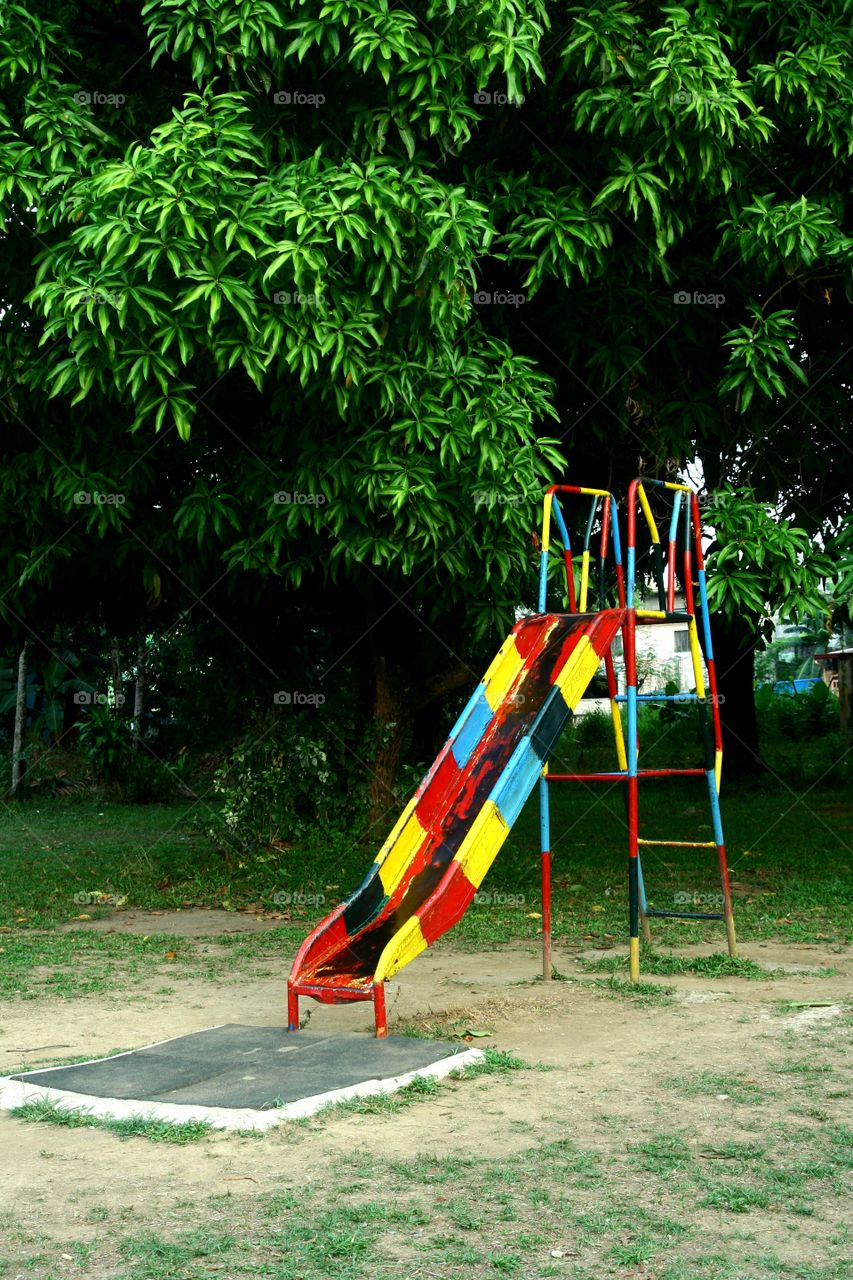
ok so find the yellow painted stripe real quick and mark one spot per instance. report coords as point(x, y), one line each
point(619, 735)
point(584, 582)
point(498, 659)
point(681, 844)
point(684, 488)
point(634, 959)
point(650, 613)
point(546, 521)
point(647, 512)
point(578, 671)
point(396, 829)
point(399, 856)
point(696, 655)
point(407, 943)
point(718, 769)
point(502, 674)
point(478, 850)
point(595, 493)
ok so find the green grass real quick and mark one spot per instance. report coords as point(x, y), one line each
point(46, 1112)
point(493, 1062)
point(641, 993)
point(718, 965)
point(733, 1087)
point(89, 962)
point(789, 858)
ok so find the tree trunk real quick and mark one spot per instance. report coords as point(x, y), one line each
point(139, 692)
point(734, 660)
point(20, 708)
point(115, 664)
point(400, 692)
point(845, 698)
point(392, 721)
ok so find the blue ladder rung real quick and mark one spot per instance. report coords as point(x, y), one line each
point(687, 915)
point(660, 697)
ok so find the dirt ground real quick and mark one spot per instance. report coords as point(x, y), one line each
point(608, 1055)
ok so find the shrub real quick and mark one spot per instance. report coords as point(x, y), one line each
point(281, 785)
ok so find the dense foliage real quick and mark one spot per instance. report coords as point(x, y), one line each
point(302, 303)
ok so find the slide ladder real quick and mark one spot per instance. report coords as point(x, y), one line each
point(684, 537)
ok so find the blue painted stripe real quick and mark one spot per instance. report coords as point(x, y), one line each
point(716, 820)
point(630, 577)
point(641, 885)
point(659, 697)
point(632, 731)
point(543, 582)
point(614, 525)
point(544, 816)
point(466, 711)
point(472, 731)
point(706, 621)
point(673, 524)
point(561, 524)
point(517, 781)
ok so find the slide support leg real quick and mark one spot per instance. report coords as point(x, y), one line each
point(292, 1009)
point(545, 845)
point(633, 798)
point(379, 1010)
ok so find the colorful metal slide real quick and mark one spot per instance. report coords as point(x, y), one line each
point(431, 865)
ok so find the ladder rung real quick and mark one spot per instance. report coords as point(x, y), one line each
point(616, 774)
point(682, 844)
point(688, 915)
point(663, 615)
point(660, 697)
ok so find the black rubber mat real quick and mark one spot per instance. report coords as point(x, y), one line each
point(238, 1066)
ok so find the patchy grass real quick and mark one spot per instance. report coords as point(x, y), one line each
point(789, 858)
point(89, 962)
point(733, 1087)
point(555, 1209)
point(493, 1062)
point(642, 993)
point(46, 1112)
point(719, 965)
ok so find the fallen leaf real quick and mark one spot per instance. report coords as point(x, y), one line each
point(171, 955)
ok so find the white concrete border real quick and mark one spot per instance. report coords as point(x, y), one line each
point(15, 1093)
